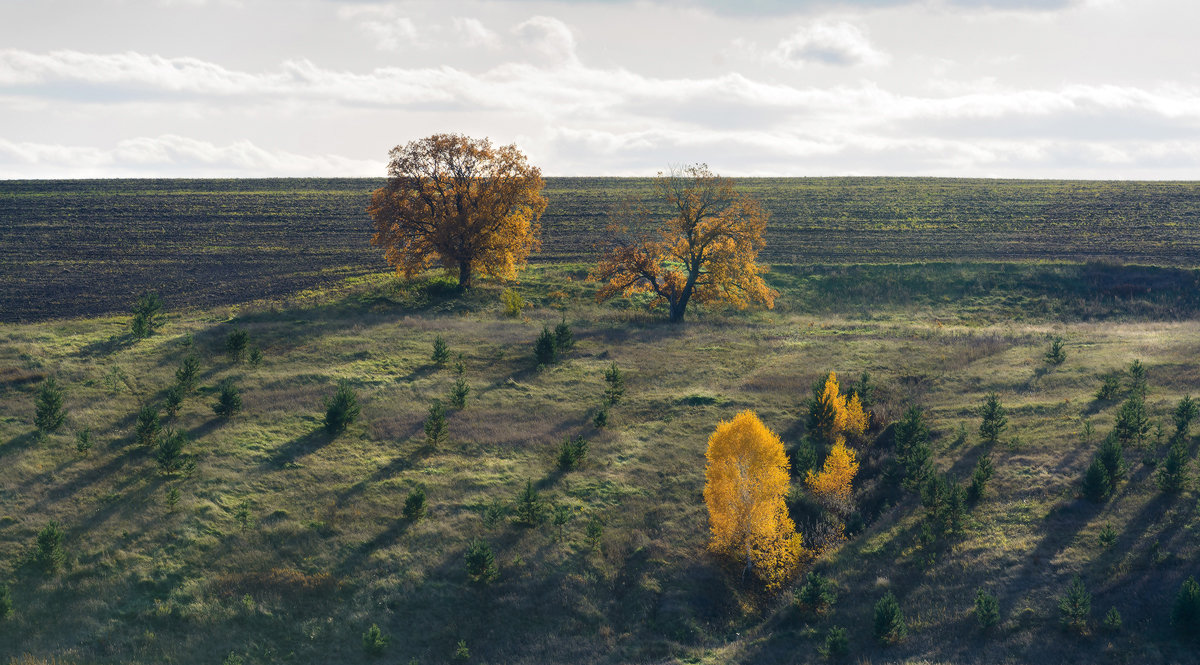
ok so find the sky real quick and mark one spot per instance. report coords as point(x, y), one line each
point(1089, 89)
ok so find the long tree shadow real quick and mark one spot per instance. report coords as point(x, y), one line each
point(382, 540)
point(299, 447)
point(18, 443)
point(391, 470)
point(107, 347)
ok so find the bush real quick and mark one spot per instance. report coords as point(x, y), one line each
point(1075, 606)
point(817, 595)
point(235, 344)
point(461, 653)
point(979, 478)
point(83, 441)
point(1112, 456)
point(529, 509)
point(169, 453)
point(865, 390)
point(436, 429)
point(49, 415)
point(188, 373)
point(837, 645)
point(1107, 537)
point(458, 394)
point(441, 353)
point(173, 400)
point(1133, 423)
point(513, 303)
point(993, 419)
point(614, 387)
point(342, 408)
point(172, 498)
point(572, 453)
point(1112, 621)
point(889, 620)
point(912, 448)
point(414, 504)
point(1185, 412)
point(1055, 355)
point(1185, 615)
point(1172, 475)
point(148, 426)
point(6, 604)
point(564, 339)
point(50, 554)
point(493, 513)
point(1096, 486)
point(593, 532)
point(1110, 387)
point(600, 420)
point(229, 400)
point(256, 356)
point(1137, 378)
point(560, 517)
point(147, 315)
point(544, 349)
point(481, 563)
point(987, 609)
point(374, 641)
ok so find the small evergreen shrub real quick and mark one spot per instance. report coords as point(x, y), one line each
point(837, 645)
point(169, 453)
point(865, 390)
point(987, 609)
point(912, 448)
point(414, 504)
point(49, 415)
point(1107, 537)
point(188, 373)
point(173, 400)
point(529, 509)
point(342, 408)
point(481, 563)
point(1110, 387)
point(993, 419)
point(229, 400)
point(1185, 614)
point(572, 453)
point(235, 344)
point(593, 532)
point(817, 595)
point(173, 495)
point(1172, 474)
point(441, 353)
point(1112, 621)
point(1137, 378)
point(436, 428)
point(890, 627)
point(50, 555)
point(147, 315)
point(1112, 456)
point(461, 653)
point(6, 603)
point(544, 349)
point(374, 641)
point(493, 513)
point(560, 517)
point(148, 426)
point(600, 420)
point(564, 339)
point(458, 394)
point(614, 384)
point(1185, 412)
point(1055, 355)
point(242, 515)
point(83, 441)
point(1075, 606)
point(1096, 486)
point(979, 479)
point(1133, 423)
point(256, 356)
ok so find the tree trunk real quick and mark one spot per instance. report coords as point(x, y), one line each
point(464, 275)
point(678, 308)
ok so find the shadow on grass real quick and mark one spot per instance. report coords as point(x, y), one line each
point(19, 443)
point(109, 346)
point(382, 540)
point(299, 447)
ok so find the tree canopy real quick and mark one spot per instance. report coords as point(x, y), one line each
point(460, 203)
point(706, 251)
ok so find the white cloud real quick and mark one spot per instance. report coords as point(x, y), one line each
point(836, 43)
point(473, 32)
point(550, 38)
point(169, 155)
point(388, 30)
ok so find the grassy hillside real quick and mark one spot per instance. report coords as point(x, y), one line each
point(287, 543)
point(70, 248)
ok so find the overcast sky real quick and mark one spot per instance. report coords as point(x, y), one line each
point(1006, 88)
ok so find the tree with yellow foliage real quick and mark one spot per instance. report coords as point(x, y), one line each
point(460, 203)
point(706, 251)
point(832, 487)
point(832, 415)
point(746, 480)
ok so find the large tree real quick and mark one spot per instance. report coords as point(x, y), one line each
point(458, 202)
point(706, 250)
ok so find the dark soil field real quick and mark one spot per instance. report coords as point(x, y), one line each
point(70, 248)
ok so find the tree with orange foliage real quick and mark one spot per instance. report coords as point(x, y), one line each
point(746, 480)
point(706, 251)
point(832, 415)
point(458, 202)
point(832, 487)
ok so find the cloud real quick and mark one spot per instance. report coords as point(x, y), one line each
point(473, 32)
point(169, 155)
point(382, 23)
point(550, 38)
point(836, 43)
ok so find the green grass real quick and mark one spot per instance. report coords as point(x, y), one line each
point(326, 553)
